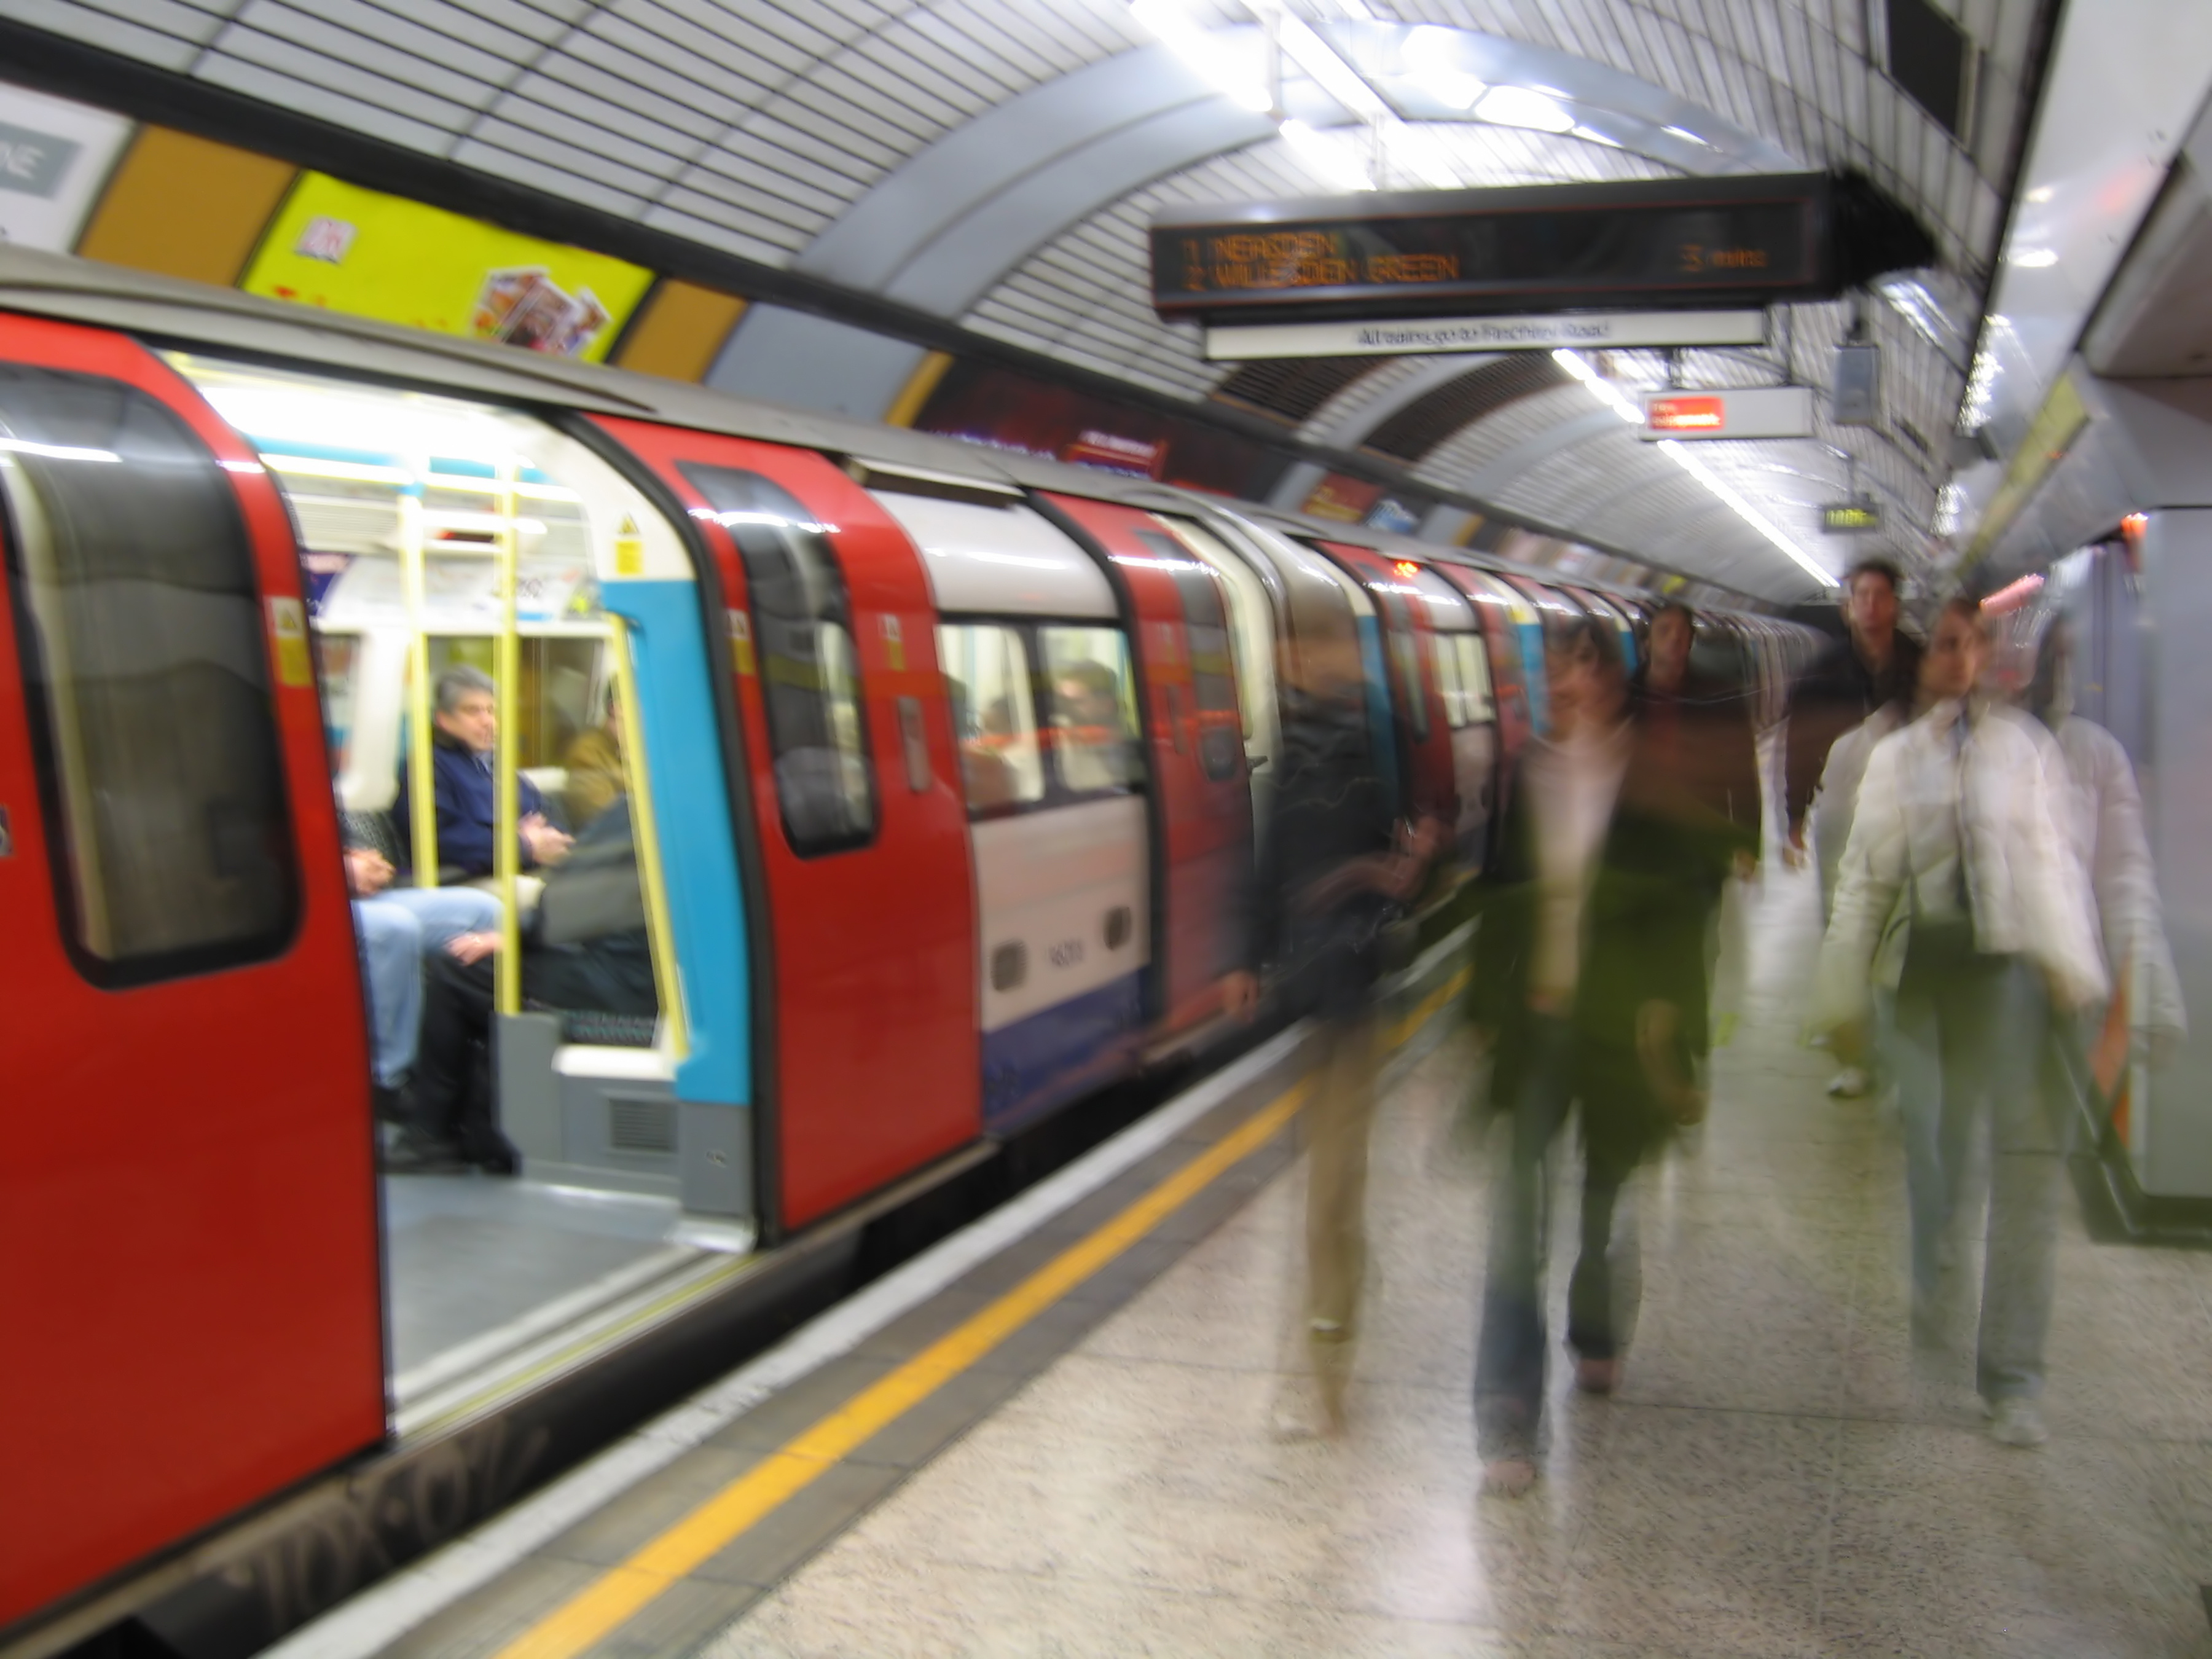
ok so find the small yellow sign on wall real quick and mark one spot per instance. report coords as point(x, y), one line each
point(369, 254)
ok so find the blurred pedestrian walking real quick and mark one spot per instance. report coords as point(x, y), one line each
point(1854, 693)
point(1961, 889)
point(1588, 985)
point(1339, 871)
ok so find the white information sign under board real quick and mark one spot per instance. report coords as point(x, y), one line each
point(1765, 412)
point(1594, 330)
point(54, 159)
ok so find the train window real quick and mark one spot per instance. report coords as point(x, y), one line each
point(810, 672)
point(1212, 667)
point(1407, 654)
point(1094, 724)
point(987, 677)
point(1474, 677)
point(1448, 679)
point(337, 658)
point(152, 717)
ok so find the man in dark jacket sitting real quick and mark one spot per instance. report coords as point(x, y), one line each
point(586, 949)
point(465, 728)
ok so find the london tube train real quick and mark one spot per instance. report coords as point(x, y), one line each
point(903, 897)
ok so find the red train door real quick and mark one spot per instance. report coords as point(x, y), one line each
point(1202, 799)
point(187, 1195)
point(1423, 734)
point(862, 830)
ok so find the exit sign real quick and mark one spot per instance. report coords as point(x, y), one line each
point(1762, 411)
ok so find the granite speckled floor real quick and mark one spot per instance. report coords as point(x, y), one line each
point(1779, 1475)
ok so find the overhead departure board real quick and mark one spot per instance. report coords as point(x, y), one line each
point(1657, 242)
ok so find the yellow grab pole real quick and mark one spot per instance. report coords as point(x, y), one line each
point(507, 858)
point(645, 834)
point(422, 828)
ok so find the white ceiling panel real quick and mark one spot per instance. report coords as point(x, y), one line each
point(753, 126)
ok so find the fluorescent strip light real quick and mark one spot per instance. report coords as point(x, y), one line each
point(302, 466)
point(1202, 52)
point(1688, 136)
point(1601, 388)
point(1609, 395)
point(1331, 161)
point(1744, 510)
point(1448, 86)
point(1338, 78)
point(1523, 106)
point(55, 452)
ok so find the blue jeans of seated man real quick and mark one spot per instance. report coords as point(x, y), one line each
point(1966, 1044)
point(395, 928)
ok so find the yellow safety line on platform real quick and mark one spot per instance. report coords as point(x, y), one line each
point(633, 1584)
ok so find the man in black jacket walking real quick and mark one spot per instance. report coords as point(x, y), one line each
point(1874, 665)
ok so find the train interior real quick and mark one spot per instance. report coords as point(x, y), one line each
point(404, 504)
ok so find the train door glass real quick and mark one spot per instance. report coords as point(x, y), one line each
point(407, 507)
point(1251, 637)
point(1212, 673)
point(1093, 733)
point(810, 679)
point(987, 674)
point(186, 1169)
point(148, 691)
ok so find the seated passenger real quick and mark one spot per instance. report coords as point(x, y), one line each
point(466, 727)
point(987, 779)
point(1095, 751)
point(596, 777)
point(395, 926)
point(588, 950)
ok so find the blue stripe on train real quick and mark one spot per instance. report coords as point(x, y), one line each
point(1049, 1058)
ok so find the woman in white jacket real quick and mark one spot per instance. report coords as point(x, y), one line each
point(1960, 889)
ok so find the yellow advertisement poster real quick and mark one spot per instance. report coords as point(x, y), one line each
point(369, 254)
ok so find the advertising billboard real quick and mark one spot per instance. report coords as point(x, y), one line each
point(987, 404)
point(369, 254)
point(54, 158)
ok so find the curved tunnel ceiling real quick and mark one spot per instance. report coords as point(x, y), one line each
point(994, 162)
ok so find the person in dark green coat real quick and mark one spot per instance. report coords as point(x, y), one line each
point(1589, 986)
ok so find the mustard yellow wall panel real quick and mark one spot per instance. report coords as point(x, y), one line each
point(681, 330)
point(185, 206)
point(914, 396)
point(369, 254)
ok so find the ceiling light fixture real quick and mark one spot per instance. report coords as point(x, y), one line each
point(1319, 59)
point(1333, 161)
point(2033, 259)
point(1420, 155)
point(1205, 54)
point(1593, 136)
point(1448, 86)
point(1524, 106)
point(1687, 136)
